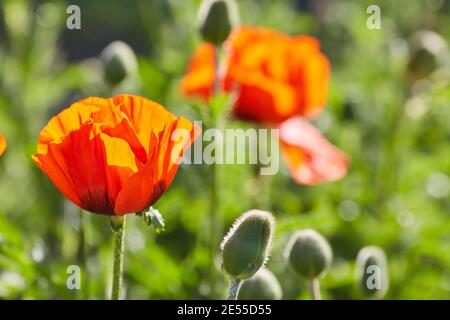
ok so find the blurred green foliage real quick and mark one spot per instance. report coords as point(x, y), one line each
point(396, 194)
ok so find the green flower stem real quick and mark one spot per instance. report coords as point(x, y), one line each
point(118, 226)
point(314, 289)
point(215, 201)
point(215, 226)
point(82, 252)
point(213, 240)
point(235, 285)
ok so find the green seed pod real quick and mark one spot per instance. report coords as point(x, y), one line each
point(119, 62)
point(262, 286)
point(216, 19)
point(371, 272)
point(247, 245)
point(309, 253)
point(428, 51)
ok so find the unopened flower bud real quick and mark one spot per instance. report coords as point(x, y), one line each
point(262, 286)
point(371, 272)
point(119, 62)
point(247, 245)
point(428, 51)
point(309, 253)
point(216, 19)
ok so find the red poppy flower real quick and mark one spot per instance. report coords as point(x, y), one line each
point(276, 78)
point(113, 156)
point(3, 144)
point(275, 75)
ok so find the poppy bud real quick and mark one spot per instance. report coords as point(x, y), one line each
point(216, 19)
point(309, 253)
point(262, 286)
point(119, 62)
point(371, 272)
point(427, 52)
point(247, 245)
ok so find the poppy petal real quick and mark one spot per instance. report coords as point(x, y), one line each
point(144, 115)
point(3, 144)
point(89, 168)
point(261, 98)
point(69, 120)
point(120, 164)
point(316, 74)
point(310, 157)
point(125, 132)
point(199, 79)
point(146, 186)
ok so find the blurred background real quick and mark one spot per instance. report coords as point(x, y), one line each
point(388, 108)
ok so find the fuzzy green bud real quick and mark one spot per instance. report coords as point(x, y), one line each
point(246, 247)
point(309, 253)
point(428, 50)
point(216, 19)
point(371, 272)
point(262, 286)
point(119, 62)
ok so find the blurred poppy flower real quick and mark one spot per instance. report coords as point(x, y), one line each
point(3, 144)
point(276, 76)
point(278, 80)
point(112, 156)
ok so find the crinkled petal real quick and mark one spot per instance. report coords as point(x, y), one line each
point(89, 167)
point(144, 115)
point(69, 120)
point(146, 186)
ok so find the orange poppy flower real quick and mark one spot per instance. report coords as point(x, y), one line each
point(3, 144)
point(113, 156)
point(278, 80)
point(276, 76)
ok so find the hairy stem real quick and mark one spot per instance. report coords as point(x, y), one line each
point(118, 226)
point(314, 289)
point(83, 252)
point(215, 223)
point(235, 285)
point(214, 217)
